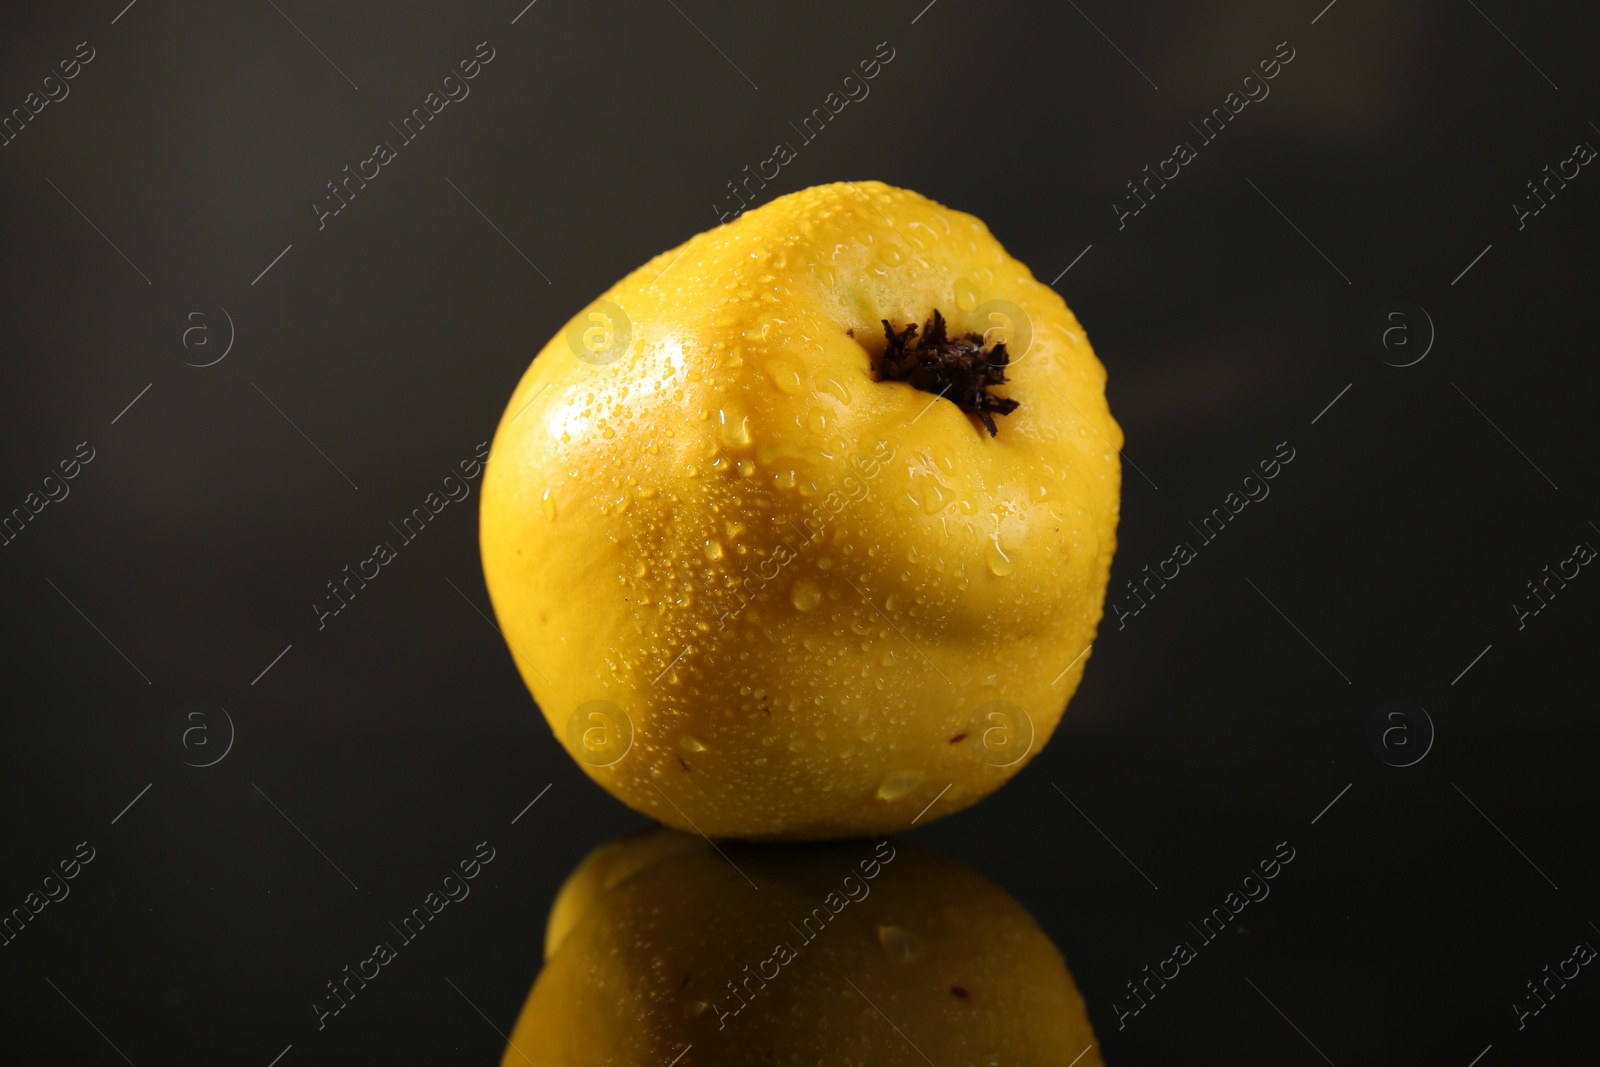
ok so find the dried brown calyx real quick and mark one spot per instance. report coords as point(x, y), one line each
point(957, 369)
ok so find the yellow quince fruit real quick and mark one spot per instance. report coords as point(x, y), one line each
point(661, 951)
point(803, 529)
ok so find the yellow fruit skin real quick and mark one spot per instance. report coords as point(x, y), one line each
point(658, 930)
point(800, 584)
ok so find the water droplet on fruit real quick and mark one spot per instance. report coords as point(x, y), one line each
point(890, 255)
point(713, 550)
point(548, 502)
point(966, 294)
point(805, 595)
point(786, 376)
point(898, 785)
point(735, 428)
point(1000, 564)
point(691, 744)
point(901, 945)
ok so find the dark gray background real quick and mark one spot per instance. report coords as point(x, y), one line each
point(1204, 733)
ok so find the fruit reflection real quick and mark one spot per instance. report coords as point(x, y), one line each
point(660, 950)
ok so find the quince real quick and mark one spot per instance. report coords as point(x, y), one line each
point(803, 529)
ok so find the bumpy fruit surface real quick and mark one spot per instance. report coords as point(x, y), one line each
point(762, 578)
point(658, 948)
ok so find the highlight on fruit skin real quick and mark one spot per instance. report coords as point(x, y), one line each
point(660, 950)
point(802, 530)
